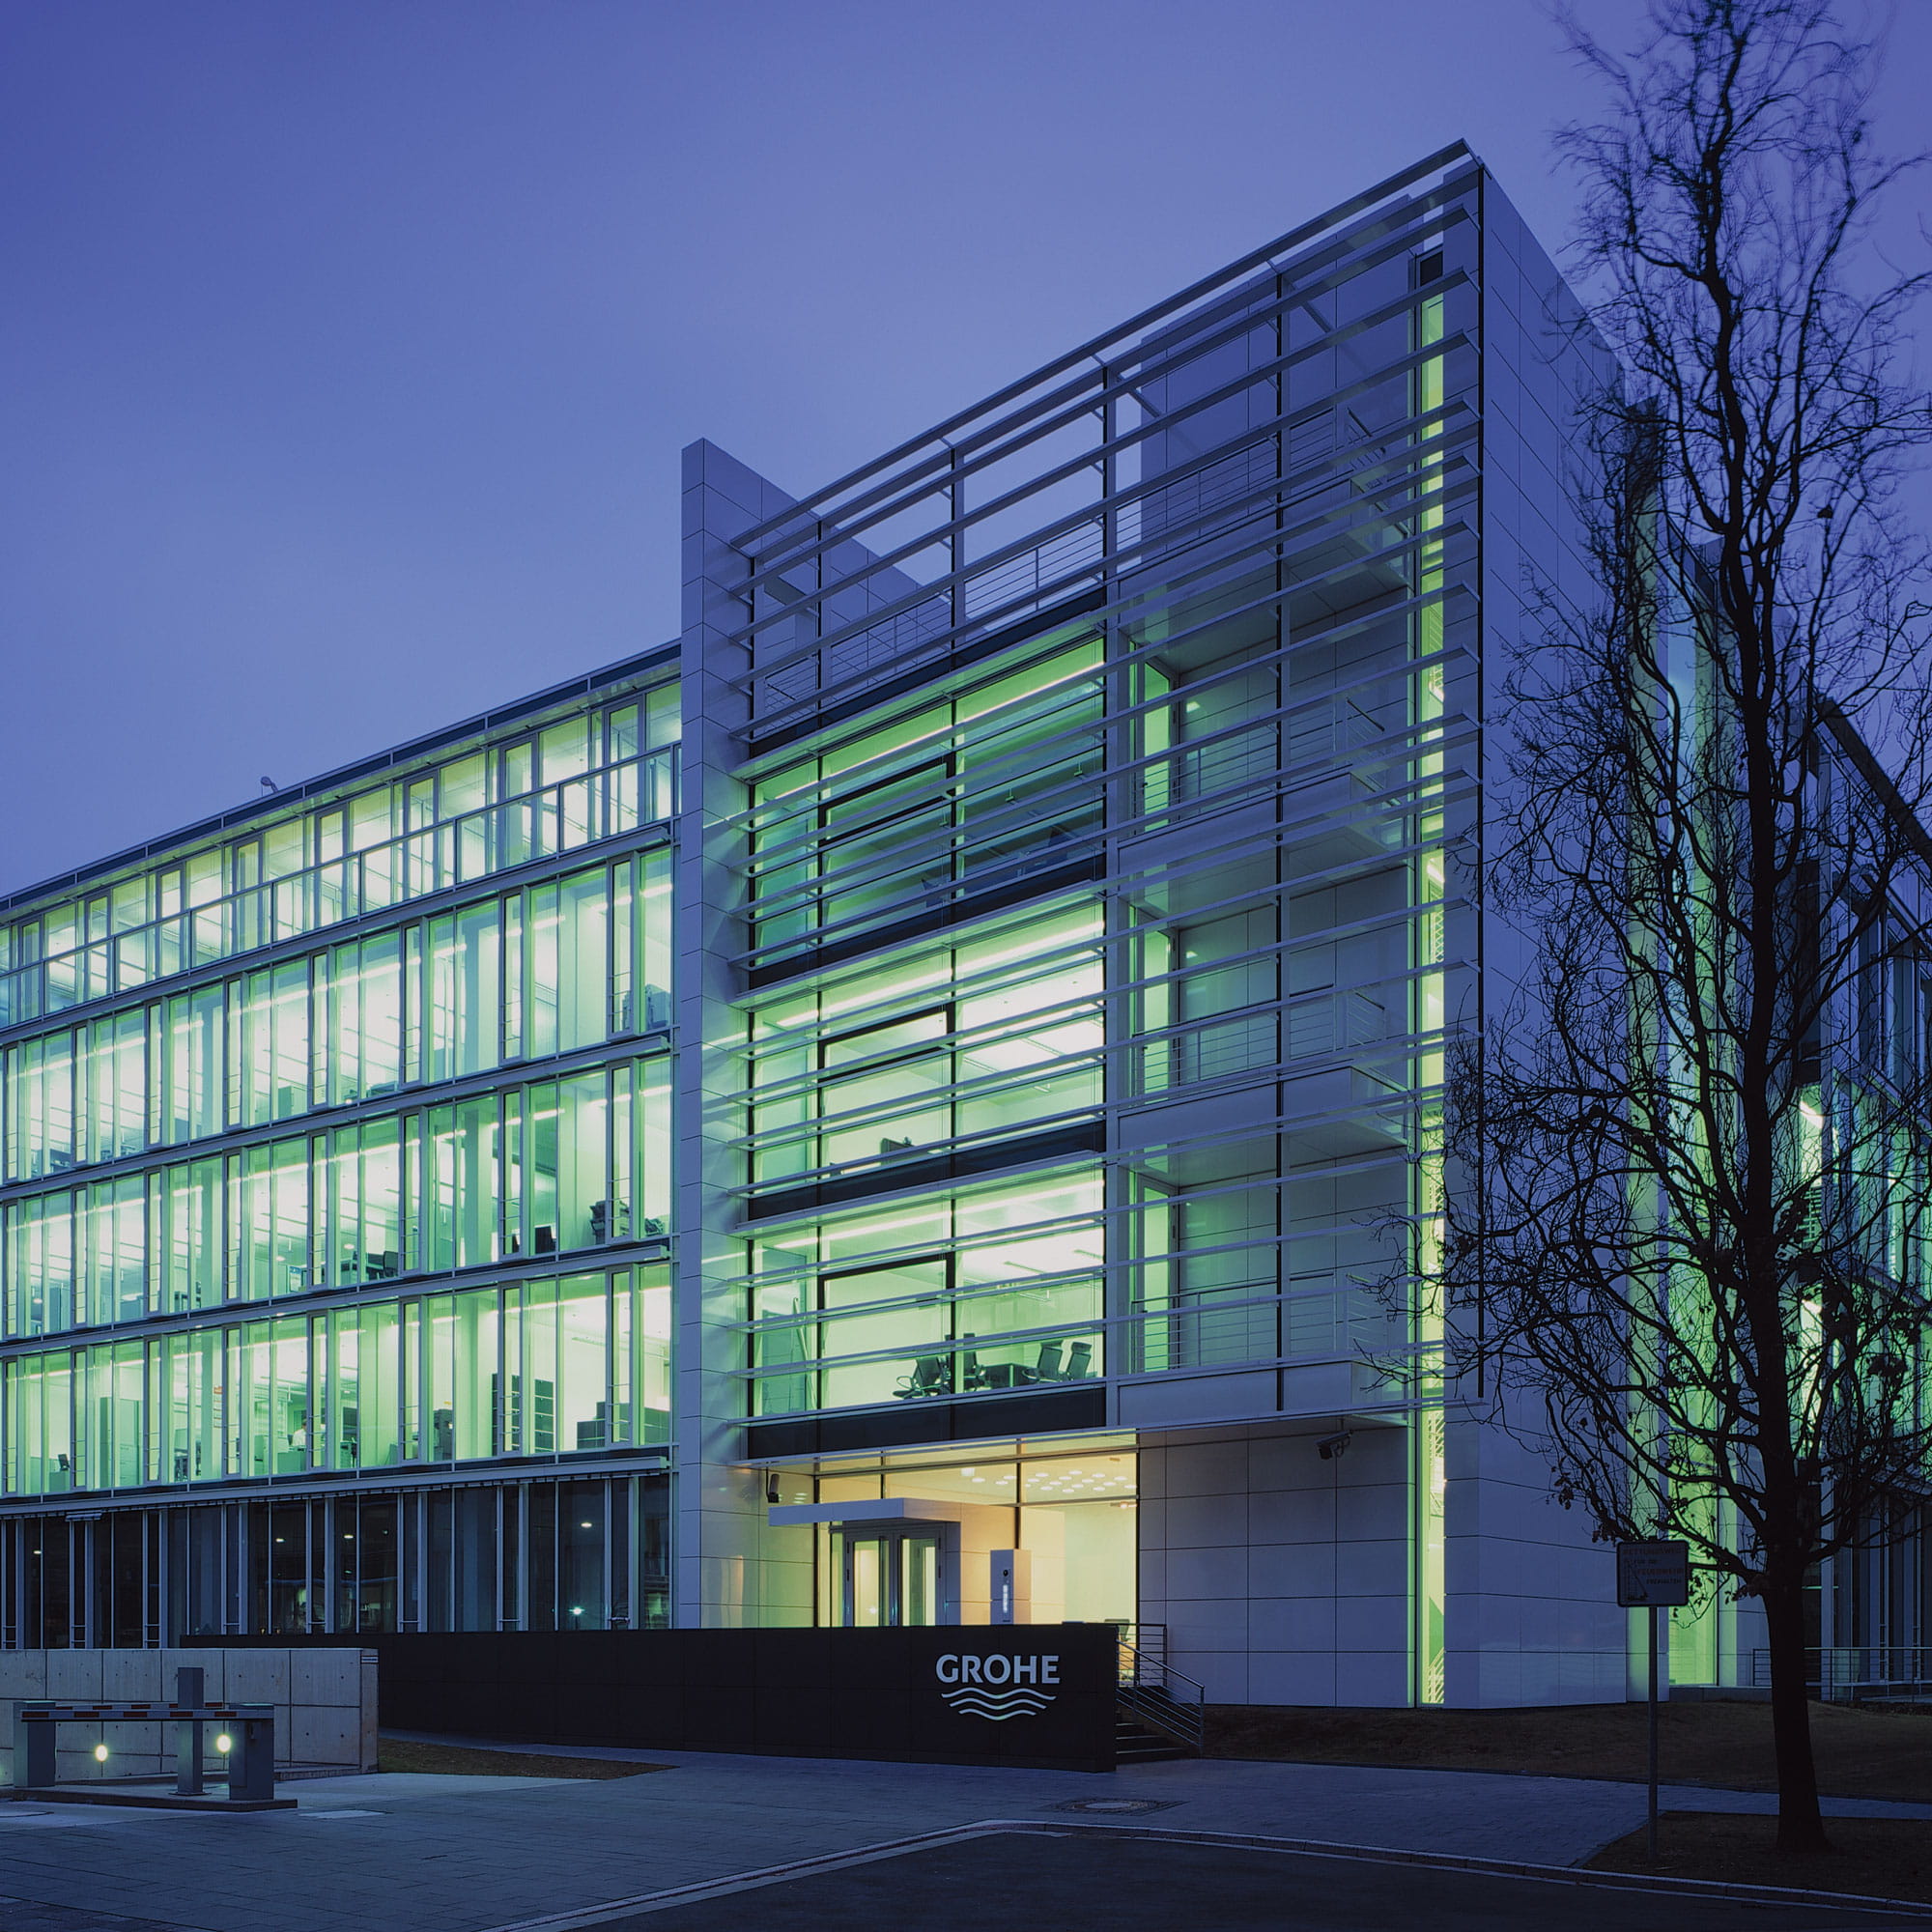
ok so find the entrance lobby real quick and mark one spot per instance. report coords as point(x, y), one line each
point(920, 1537)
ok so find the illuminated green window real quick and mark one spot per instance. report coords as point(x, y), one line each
point(1019, 1045)
point(1014, 1301)
point(930, 807)
point(557, 1167)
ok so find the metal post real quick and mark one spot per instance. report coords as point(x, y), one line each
point(251, 1769)
point(1652, 1613)
point(190, 1692)
point(34, 1762)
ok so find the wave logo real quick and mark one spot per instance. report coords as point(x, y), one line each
point(998, 1688)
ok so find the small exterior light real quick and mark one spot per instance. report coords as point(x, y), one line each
point(101, 1753)
point(224, 1744)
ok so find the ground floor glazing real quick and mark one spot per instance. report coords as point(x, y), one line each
point(926, 1537)
point(583, 1553)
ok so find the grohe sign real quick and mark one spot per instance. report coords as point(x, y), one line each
point(998, 1686)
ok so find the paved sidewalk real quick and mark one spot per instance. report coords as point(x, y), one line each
point(413, 1853)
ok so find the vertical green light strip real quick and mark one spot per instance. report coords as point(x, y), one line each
point(1431, 1474)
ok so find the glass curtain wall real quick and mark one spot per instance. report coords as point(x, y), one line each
point(996, 1290)
point(1210, 596)
point(956, 798)
point(596, 774)
point(554, 1366)
point(553, 1167)
point(593, 1554)
point(549, 969)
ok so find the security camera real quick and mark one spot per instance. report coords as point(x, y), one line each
point(1329, 1447)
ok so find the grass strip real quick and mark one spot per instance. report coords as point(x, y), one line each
point(1875, 1857)
point(1861, 1752)
point(467, 1761)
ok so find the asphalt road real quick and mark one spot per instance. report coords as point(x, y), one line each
point(1149, 1885)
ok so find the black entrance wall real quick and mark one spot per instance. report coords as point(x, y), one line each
point(1039, 1694)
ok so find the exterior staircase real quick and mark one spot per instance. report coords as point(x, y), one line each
point(1157, 1712)
point(1135, 1742)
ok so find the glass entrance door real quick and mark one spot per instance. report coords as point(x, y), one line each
point(890, 1578)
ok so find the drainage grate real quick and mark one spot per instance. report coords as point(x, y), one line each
point(1115, 1807)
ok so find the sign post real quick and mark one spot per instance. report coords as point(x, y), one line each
point(1652, 1576)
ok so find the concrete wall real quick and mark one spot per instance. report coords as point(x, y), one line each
point(1532, 1614)
point(1281, 1578)
point(1284, 1579)
point(325, 1702)
point(729, 1571)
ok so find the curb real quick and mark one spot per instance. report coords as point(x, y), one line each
point(582, 1919)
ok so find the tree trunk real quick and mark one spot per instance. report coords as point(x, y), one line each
point(1801, 1828)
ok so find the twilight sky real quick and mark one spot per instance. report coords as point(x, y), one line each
point(348, 346)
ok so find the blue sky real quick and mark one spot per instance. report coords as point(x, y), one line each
point(349, 348)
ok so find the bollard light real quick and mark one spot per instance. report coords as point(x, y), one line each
point(224, 1744)
point(101, 1753)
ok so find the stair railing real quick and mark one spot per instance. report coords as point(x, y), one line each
point(1161, 1697)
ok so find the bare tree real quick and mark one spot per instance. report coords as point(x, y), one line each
point(1685, 1248)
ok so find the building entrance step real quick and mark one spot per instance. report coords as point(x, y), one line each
point(1134, 1743)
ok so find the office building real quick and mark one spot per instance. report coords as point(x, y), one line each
point(918, 1101)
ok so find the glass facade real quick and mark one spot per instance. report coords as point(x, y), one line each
point(585, 1552)
point(560, 965)
point(1098, 796)
point(599, 775)
point(1114, 853)
point(394, 1059)
point(526, 1369)
point(543, 1169)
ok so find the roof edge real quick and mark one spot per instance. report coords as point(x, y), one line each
point(331, 780)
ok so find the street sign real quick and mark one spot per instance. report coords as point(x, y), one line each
point(1653, 1575)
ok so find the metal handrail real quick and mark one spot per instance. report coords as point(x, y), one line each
point(1843, 1673)
point(1162, 1698)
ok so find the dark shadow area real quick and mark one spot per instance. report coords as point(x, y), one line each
point(1873, 1857)
point(1126, 1885)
